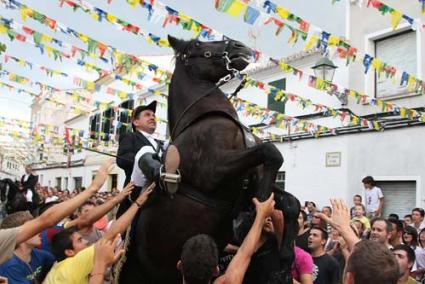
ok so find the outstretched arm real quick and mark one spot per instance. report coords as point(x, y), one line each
point(239, 264)
point(99, 211)
point(56, 213)
point(121, 224)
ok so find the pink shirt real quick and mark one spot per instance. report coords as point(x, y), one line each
point(303, 263)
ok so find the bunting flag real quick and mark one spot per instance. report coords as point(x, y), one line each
point(395, 14)
point(329, 87)
point(19, 90)
point(100, 15)
point(93, 44)
point(22, 62)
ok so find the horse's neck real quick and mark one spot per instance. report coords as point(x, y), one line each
point(184, 90)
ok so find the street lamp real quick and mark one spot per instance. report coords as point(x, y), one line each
point(324, 69)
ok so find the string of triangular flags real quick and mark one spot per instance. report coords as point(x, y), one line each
point(313, 81)
point(384, 8)
point(9, 27)
point(322, 39)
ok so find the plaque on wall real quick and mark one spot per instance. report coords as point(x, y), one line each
point(333, 159)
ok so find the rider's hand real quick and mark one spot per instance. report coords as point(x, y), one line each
point(264, 209)
point(145, 193)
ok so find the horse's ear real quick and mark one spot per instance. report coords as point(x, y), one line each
point(176, 44)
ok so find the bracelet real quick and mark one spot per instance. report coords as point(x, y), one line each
point(97, 274)
point(137, 203)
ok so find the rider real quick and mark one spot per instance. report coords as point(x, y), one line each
point(134, 144)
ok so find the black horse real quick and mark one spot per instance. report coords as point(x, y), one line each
point(216, 159)
point(9, 193)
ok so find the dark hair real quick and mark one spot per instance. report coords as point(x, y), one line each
point(388, 225)
point(304, 215)
point(397, 222)
point(372, 262)
point(359, 196)
point(61, 242)
point(409, 251)
point(408, 216)
point(420, 210)
point(393, 216)
point(16, 219)
point(87, 202)
point(411, 231)
point(330, 208)
point(368, 180)
point(199, 258)
point(325, 234)
point(419, 238)
point(364, 208)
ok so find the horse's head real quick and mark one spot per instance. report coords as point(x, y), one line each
point(210, 61)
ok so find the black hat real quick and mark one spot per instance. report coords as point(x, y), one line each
point(139, 109)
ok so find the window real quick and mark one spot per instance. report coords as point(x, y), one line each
point(59, 182)
point(124, 116)
point(66, 184)
point(78, 182)
point(398, 50)
point(272, 104)
point(94, 126)
point(114, 181)
point(107, 123)
point(280, 180)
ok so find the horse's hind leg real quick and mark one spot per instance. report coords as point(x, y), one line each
point(232, 163)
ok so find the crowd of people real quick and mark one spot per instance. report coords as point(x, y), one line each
point(75, 239)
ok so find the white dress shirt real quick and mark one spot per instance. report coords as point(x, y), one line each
point(137, 175)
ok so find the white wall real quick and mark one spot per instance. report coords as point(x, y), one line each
point(392, 153)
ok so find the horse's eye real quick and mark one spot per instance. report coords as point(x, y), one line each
point(197, 44)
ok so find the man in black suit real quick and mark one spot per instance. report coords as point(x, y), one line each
point(144, 124)
point(28, 182)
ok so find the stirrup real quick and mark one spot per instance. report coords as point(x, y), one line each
point(169, 180)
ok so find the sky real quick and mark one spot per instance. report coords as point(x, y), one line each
point(17, 105)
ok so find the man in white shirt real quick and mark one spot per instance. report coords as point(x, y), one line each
point(374, 201)
point(133, 145)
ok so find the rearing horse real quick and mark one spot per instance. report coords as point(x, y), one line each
point(214, 161)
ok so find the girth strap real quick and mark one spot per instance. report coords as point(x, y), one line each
point(191, 193)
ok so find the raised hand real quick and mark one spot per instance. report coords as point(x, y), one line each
point(128, 189)
point(106, 252)
point(264, 209)
point(102, 174)
point(145, 194)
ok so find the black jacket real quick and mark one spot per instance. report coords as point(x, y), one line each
point(30, 182)
point(128, 147)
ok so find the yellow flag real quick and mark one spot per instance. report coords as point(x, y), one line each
point(376, 125)
point(236, 8)
point(3, 29)
point(395, 18)
point(312, 41)
point(46, 38)
point(411, 81)
point(282, 12)
point(95, 16)
point(403, 112)
point(111, 18)
point(333, 40)
point(90, 86)
point(25, 12)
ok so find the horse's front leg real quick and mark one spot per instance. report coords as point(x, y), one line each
point(238, 162)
